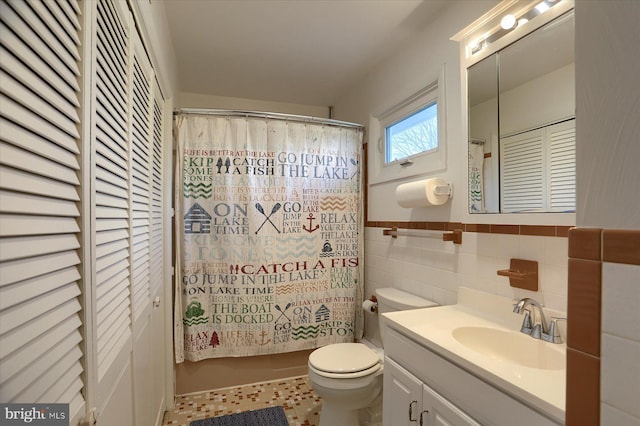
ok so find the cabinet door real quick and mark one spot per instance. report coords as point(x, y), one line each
point(402, 396)
point(437, 411)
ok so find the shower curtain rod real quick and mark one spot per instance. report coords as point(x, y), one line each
point(270, 115)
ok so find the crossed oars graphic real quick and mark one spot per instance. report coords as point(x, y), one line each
point(275, 208)
point(282, 312)
point(355, 163)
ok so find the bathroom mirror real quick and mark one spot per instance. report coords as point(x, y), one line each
point(521, 103)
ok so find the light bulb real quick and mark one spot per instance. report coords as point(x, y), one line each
point(476, 46)
point(508, 22)
point(542, 7)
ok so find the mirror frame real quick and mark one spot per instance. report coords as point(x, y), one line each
point(483, 24)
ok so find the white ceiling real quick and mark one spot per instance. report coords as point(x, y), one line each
point(297, 51)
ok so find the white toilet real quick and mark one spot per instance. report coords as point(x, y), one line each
point(348, 376)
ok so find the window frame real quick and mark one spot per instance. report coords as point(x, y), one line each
point(388, 145)
point(425, 162)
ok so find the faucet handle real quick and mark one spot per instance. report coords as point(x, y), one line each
point(553, 335)
point(526, 323)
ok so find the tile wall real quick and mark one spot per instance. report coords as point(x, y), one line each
point(603, 336)
point(424, 265)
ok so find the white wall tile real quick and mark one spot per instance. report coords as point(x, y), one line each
point(371, 233)
point(553, 278)
point(508, 246)
point(619, 381)
point(612, 416)
point(620, 300)
point(557, 302)
point(469, 243)
point(556, 251)
point(532, 248)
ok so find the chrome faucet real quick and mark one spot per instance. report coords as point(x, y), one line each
point(535, 324)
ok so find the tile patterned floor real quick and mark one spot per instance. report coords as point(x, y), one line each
point(301, 404)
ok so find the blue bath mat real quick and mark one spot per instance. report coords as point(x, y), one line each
point(271, 416)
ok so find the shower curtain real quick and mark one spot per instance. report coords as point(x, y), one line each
point(476, 181)
point(269, 235)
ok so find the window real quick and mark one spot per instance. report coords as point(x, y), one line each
point(410, 136)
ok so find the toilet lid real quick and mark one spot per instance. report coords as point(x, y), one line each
point(343, 358)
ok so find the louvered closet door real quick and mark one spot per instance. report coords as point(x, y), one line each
point(522, 172)
point(157, 198)
point(538, 169)
point(40, 339)
point(157, 334)
point(562, 166)
point(141, 178)
point(112, 196)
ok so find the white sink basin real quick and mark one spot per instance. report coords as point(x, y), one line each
point(482, 335)
point(511, 346)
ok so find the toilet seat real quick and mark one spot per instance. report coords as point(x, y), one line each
point(344, 361)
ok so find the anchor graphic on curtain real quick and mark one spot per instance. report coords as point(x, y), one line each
point(311, 228)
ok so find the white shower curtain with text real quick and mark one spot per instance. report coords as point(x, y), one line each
point(269, 235)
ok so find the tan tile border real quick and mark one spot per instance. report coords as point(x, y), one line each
point(584, 305)
point(588, 248)
point(584, 243)
point(583, 389)
point(477, 227)
point(535, 230)
point(583, 328)
point(621, 246)
point(545, 231)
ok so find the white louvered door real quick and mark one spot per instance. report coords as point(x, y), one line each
point(158, 336)
point(141, 146)
point(562, 166)
point(157, 197)
point(127, 142)
point(40, 324)
point(522, 178)
point(111, 203)
point(81, 202)
point(141, 178)
point(537, 170)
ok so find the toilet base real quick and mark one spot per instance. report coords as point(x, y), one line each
point(342, 406)
point(333, 416)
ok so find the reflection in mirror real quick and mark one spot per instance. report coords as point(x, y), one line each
point(483, 136)
point(530, 166)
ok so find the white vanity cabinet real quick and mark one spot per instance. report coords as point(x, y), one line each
point(451, 394)
point(408, 401)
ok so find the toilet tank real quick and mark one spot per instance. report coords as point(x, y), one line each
point(392, 299)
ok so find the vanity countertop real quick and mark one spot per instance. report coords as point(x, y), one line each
point(542, 388)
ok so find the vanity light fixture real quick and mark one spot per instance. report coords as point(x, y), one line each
point(508, 23)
